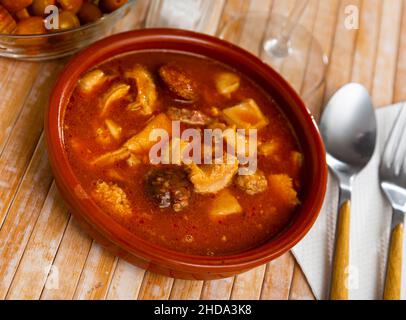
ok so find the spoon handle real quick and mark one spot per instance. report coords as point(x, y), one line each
point(394, 268)
point(339, 284)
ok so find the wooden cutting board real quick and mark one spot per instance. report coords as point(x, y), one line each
point(45, 255)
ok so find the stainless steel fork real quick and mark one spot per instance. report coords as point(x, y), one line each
point(392, 176)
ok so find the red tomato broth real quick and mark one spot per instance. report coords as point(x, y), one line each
point(192, 230)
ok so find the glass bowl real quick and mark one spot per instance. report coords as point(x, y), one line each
point(63, 43)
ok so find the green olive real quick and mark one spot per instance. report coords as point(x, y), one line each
point(22, 14)
point(38, 6)
point(31, 25)
point(15, 5)
point(7, 23)
point(89, 12)
point(111, 5)
point(71, 5)
point(68, 20)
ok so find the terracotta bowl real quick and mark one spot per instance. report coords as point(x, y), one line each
point(136, 250)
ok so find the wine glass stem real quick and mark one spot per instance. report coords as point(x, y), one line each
point(281, 44)
point(294, 17)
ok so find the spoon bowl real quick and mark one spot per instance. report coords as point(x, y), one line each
point(348, 127)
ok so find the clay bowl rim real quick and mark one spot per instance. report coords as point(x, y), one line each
point(180, 40)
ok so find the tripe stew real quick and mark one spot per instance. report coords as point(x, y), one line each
point(194, 208)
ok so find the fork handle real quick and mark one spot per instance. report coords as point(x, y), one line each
point(339, 280)
point(394, 268)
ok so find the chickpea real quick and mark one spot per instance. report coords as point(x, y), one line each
point(31, 25)
point(7, 23)
point(71, 5)
point(15, 5)
point(22, 14)
point(38, 7)
point(111, 5)
point(89, 12)
point(68, 20)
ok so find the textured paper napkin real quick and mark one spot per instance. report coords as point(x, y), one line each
point(370, 230)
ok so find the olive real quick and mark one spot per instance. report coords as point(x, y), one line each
point(111, 5)
point(89, 12)
point(7, 23)
point(68, 20)
point(71, 5)
point(22, 14)
point(38, 6)
point(15, 5)
point(31, 25)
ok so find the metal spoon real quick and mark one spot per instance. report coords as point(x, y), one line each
point(348, 127)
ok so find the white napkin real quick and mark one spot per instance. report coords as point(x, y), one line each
point(370, 230)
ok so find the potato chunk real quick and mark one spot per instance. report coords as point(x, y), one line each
point(115, 93)
point(213, 178)
point(112, 199)
point(224, 204)
point(252, 184)
point(141, 141)
point(246, 115)
point(227, 83)
point(281, 187)
point(91, 80)
point(147, 94)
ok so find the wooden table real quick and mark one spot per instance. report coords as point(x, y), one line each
point(45, 255)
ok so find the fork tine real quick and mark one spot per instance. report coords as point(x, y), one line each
point(403, 168)
point(401, 149)
point(393, 143)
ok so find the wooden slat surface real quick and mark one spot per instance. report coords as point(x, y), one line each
point(43, 252)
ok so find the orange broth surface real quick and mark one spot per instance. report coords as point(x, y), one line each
point(191, 230)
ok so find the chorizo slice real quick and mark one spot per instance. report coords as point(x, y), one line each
point(179, 82)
